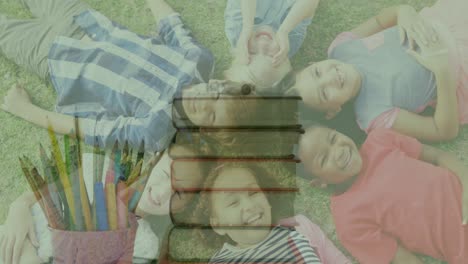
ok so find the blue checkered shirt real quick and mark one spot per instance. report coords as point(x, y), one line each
point(122, 84)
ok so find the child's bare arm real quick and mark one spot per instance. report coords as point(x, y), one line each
point(451, 162)
point(18, 226)
point(403, 256)
point(386, 18)
point(301, 10)
point(160, 9)
point(18, 103)
point(248, 9)
point(444, 124)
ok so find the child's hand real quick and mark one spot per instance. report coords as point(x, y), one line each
point(414, 28)
point(242, 48)
point(283, 42)
point(15, 100)
point(18, 226)
point(434, 51)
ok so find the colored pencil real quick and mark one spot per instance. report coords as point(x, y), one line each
point(135, 173)
point(102, 223)
point(75, 180)
point(54, 216)
point(83, 193)
point(40, 193)
point(122, 204)
point(62, 172)
point(111, 205)
point(51, 184)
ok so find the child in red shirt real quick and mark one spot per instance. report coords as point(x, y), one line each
point(398, 197)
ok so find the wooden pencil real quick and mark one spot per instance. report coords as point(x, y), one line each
point(62, 172)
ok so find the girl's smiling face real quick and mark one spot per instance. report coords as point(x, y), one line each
point(327, 85)
point(159, 196)
point(243, 205)
point(329, 155)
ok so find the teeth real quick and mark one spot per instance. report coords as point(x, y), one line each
point(254, 218)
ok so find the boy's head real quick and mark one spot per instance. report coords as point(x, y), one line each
point(327, 85)
point(260, 71)
point(159, 198)
point(216, 104)
point(329, 155)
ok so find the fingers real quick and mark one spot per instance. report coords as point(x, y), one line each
point(2, 247)
point(402, 32)
point(9, 250)
point(32, 236)
point(17, 249)
point(279, 58)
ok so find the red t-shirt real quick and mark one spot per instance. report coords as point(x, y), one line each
point(400, 199)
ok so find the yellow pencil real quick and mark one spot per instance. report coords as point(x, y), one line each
point(111, 206)
point(62, 172)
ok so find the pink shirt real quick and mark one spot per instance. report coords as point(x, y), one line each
point(400, 199)
point(325, 249)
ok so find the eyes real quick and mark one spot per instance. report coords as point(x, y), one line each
point(236, 202)
point(324, 158)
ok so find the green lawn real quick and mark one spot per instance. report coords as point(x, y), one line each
point(205, 17)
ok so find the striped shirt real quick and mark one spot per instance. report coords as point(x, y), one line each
point(283, 245)
point(122, 84)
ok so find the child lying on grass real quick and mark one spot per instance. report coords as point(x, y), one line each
point(395, 197)
point(25, 237)
point(246, 218)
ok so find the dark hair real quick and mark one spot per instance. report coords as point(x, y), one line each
point(345, 123)
point(281, 206)
point(240, 90)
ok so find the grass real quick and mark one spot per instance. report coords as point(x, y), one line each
point(205, 18)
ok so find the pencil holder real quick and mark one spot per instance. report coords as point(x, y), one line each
point(98, 247)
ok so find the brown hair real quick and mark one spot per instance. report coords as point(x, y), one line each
point(203, 211)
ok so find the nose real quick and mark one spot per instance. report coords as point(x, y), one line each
point(247, 204)
point(339, 155)
point(161, 193)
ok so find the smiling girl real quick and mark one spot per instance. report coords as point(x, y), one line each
point(391, 67)
point(246, 217)
point(264, 35)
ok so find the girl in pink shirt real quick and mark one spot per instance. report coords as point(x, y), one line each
point(395, 196)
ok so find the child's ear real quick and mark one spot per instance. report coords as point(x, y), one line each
point(332, 113)
point(318, 183)
point(214, 225)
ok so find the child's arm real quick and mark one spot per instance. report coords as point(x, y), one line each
point(18, 225)
point(444, 124)
point(106, 130)
point(175, 33)
point(301, 10)
point(451, 162)
point(405, 16)
point(403, 256)
point(160, 9)
point(248, 9)
point(17, 102)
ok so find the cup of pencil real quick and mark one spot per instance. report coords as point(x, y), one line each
point(89, 225)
